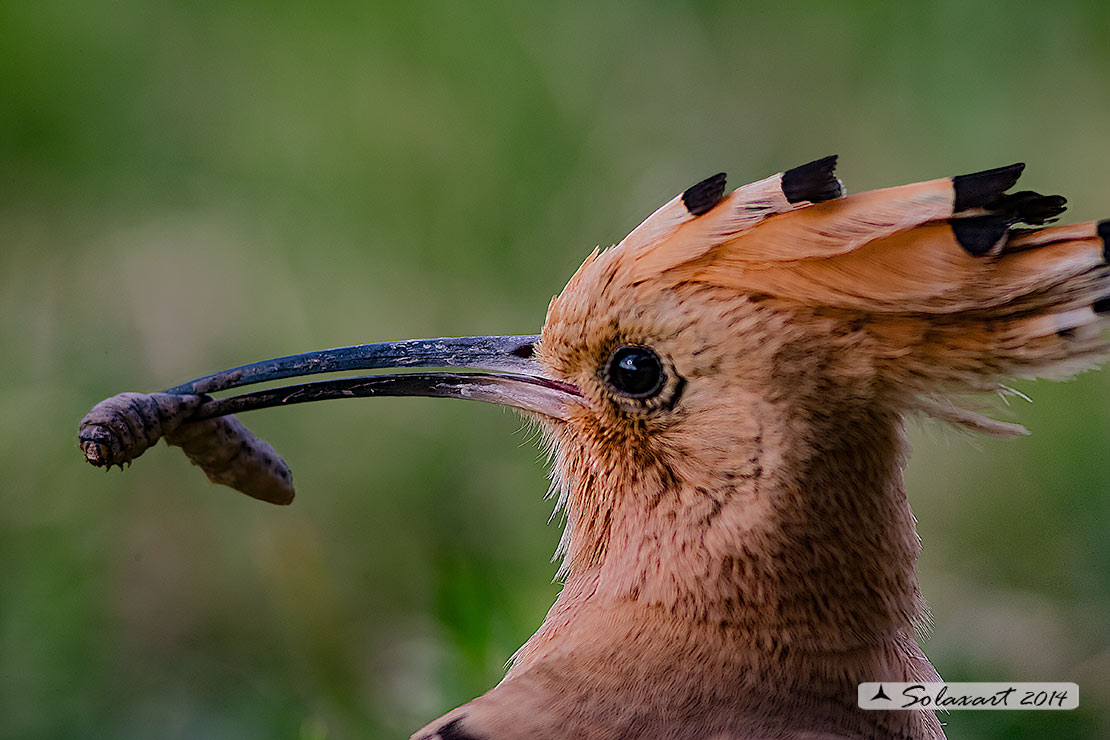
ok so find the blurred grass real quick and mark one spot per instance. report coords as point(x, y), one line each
point(188, 186)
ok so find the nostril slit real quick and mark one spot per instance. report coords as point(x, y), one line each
point(525, 351)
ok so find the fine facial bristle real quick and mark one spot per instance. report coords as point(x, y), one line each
point(814, 181)
point(980, 188)
point(978, 235)
point(1030, 207)
point(701, 198)
point(1104, 234)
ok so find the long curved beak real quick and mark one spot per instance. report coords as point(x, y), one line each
point(513, 378)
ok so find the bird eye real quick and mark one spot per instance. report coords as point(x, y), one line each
point(636, 372)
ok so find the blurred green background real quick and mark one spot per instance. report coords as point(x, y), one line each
point(186, 186)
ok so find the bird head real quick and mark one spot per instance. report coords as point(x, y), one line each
point(723, 390)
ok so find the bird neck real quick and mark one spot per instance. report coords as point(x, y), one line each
point(811, 556)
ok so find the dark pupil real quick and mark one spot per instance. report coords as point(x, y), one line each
point(636, 371)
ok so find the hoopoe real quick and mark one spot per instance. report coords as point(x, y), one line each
point(724, 394)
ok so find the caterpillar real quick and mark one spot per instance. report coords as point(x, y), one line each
point(119, 429)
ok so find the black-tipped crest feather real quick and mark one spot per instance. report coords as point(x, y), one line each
point(1030, 207)
point(814, 181)
point(978, 235)
point(978, 189)
point(701, 198)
